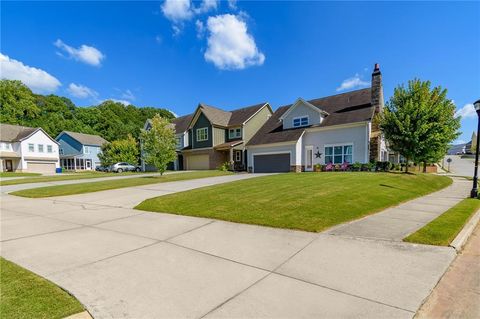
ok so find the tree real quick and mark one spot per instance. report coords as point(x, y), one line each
point(159, 143)
point(419, 122)
point(17, 103)
point(125, 150)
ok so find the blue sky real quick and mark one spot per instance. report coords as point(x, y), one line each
point(231, 54)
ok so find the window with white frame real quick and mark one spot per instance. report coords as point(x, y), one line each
point(86, 149)
point(31, 148)
point(300, 121)
point(40, 148)
point(49, 149)
point(202, 134)
point(179, 141)
point(235, 133)
point(238, 156)
point(339, 154)
point(5, 146)
point(60, 151)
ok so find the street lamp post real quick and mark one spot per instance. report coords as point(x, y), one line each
point(474, 192)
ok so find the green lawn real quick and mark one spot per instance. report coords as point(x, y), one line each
point(14, 174)
point(61, 177)
point(443, 230)
point(81, 188)
point(26, 295)
point(305, 201)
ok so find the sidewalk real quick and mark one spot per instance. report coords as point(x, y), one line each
point(457, 295)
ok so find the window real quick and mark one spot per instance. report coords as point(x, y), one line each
point(86, 150)
point(5, 146)
point(238, 156)
point(60, 151)
point(49, 149)
point(31, 148)
point(339, 154)
point(300, 121)
point(235, 133)
point(179, 142)
point(202, 134)
point(40, 148)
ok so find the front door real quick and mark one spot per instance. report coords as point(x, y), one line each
point(88, 164)
point(9, 165)
point(309, 158)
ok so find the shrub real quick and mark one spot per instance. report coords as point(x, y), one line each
point(357, 166)
point(224, 167)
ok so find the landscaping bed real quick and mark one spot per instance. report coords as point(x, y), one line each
point(26, 295)
point(305, 201)
point(82, 188)
point(442, 230)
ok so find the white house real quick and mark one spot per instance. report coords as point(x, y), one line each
point(335, 129)
point(27, 149)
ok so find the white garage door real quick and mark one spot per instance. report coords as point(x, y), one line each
point(43, 168)
point(198, 162)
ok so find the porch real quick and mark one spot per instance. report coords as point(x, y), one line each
point(235, 154)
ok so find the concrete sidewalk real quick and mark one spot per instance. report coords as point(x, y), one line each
point(123, 263)
point(398, 222)
point(457, 295)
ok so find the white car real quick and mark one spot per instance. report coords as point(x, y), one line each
point(124, 167)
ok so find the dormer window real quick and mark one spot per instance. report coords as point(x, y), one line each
point(300, 121)
point(234, 133)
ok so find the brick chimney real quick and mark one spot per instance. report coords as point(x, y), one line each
point(377, 103)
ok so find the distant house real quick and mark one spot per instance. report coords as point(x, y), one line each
point(79, 151)
point(27, 149)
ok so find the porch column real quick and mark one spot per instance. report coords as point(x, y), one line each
point(231, 159)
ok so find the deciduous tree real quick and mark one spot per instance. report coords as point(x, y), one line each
point(125, 150)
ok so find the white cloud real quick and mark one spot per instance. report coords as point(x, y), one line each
point(206, 6)
point(158, 39)
point(229, 45)
point(200, 29)
point(84, 53)
point(37, 80)
point(128, 95)
point(232, 4)
point(177, 10)
point(124, 102)
point(81, 91)
point(466, 112)
point(352, 83)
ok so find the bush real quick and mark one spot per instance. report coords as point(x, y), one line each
point(383, 166)
point(357, 166)
point(224, 167)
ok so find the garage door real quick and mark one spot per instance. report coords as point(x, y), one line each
point(271, 163)
point(197, 162)
point(43, 168)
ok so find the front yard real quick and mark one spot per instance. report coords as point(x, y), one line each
point(26, 295)
point(306, 201)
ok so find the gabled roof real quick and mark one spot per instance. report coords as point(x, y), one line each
point(17, 133)
point(223, 118)
point(345, 108)
point(85, 139)
point(302, 101)
point(181, 123)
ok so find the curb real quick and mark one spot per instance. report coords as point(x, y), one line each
point(466, 231)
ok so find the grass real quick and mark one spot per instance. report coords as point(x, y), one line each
point(443, 230)
point(306, 201)
point(81, 188)
point(60, 177)
point(15, 174)
point(26, 295)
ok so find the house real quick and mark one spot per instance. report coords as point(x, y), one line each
point(333, 129)
point(27, 149)
point(214, 136)
point(79, 151)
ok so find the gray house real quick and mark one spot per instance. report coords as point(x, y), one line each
point(79, 151)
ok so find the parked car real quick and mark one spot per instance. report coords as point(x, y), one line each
point(124, 167)
point(102, 168)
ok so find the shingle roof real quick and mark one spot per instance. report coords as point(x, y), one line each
point(236, 117)
point(14, 133)
point(87, 139)
point(350, 107)
point(181, 123)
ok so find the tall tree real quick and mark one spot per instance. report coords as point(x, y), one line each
point(419, 122)
point(159, 143)
point(125, 150)
point(17, 103)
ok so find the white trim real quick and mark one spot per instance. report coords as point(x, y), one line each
point(300, 117)
point(273, 144)
point(266, 104)
point(206, 131)
point(297, 102)
point(236, 153)
point(333, 153)
point(367, 142)
point(335, 127)
point(234, 129)
point(269, 153)
point(33, 133)
point(308, 148)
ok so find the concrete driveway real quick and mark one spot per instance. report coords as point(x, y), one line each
point(123, 263)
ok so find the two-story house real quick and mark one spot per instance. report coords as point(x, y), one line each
point(334, 129)
point(27, 149)
point(216, 136)
point(79, 151)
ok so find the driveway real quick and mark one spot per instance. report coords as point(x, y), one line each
point(124, 263)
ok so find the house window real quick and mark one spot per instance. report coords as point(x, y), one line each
point(31, 148)
point(300, 121)
point(235, 133)
point(238, 156)
point(5, 146)
point(60, 151)
point(339, 154)
point(49, 149)
point(86, 150)
point(202, 134)
point(179, 142)
point(40, 148)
